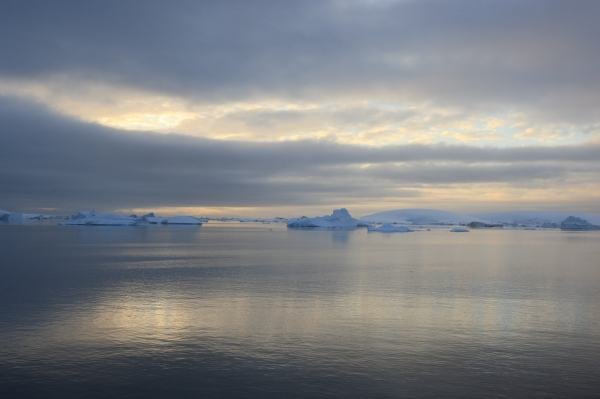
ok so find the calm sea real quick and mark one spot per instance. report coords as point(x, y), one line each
point(241, 310)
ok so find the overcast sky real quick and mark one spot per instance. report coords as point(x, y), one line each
point(283, 107)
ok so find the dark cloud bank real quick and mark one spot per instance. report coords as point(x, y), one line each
point(51, 161)
point(539, 55)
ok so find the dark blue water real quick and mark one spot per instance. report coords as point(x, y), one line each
point(258, 311)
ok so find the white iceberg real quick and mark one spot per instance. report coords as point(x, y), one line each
point(389, 228)
point(573, 223)
point(20, 218)
point(91, 218)
point(339, 219)
point(459, 229)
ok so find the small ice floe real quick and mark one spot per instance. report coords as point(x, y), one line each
point(339, 219)
point(459, 229)
point(389, 228)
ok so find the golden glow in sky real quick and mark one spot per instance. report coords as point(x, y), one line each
point(380, 121)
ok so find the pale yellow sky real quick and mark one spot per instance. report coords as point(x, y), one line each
point(383, 119)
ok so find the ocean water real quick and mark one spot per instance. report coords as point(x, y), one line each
point(244, 310)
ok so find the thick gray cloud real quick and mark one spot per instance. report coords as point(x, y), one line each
point(47, 160)
point(541, 55)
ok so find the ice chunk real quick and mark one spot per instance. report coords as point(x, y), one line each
point(339, 219)
point(389, 228)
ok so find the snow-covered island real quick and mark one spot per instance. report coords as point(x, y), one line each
point(339, 219)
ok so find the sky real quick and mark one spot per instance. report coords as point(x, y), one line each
point(284, 108)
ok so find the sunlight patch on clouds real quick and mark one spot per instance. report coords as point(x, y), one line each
point(361, 121)
point(111, 106)
point(458, 197)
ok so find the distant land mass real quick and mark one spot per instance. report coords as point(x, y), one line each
point(436, 216)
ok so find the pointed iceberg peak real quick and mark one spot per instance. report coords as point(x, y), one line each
point(339, 219)
point(341, 213)
point(573, 223)
point(343, 216)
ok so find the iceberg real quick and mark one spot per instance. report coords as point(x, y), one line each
point(389, 228)
point(91, 218)
point(20, 218)
point(459, 229)
point(339, 219)
point(573, 223)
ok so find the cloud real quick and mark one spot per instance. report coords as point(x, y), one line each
point(48, 160)
point(540, 57)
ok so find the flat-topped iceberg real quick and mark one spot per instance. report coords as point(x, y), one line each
point(459, 229)
point(20, 217)
point(91, 218)
point(389, 228)
point(339, 219)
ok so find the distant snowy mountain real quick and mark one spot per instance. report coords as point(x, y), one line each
point(420, 216)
